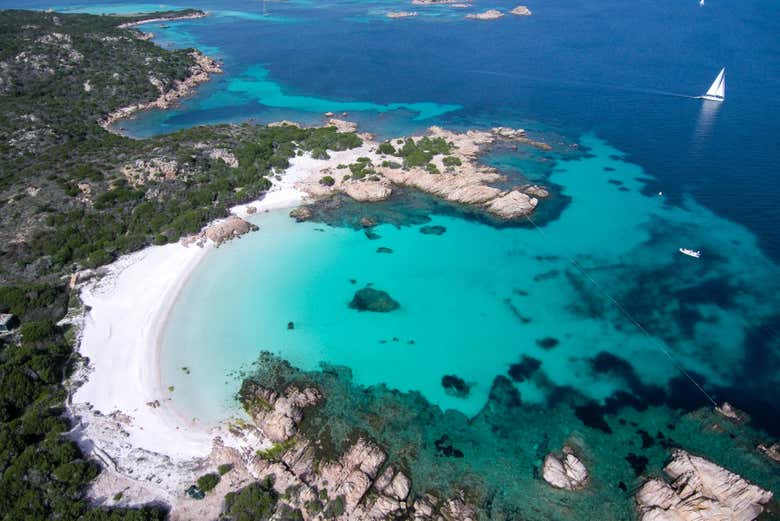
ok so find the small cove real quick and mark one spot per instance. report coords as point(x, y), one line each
point(476, 299)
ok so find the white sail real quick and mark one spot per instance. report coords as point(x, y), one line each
point(718, 88)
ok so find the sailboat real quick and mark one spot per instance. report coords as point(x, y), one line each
point(701, 3)
point(717, 91)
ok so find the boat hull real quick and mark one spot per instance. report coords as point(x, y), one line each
point(712, 98)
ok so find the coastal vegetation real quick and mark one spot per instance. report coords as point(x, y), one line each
point(76, 196)
point(207, 482)
point(256, 502)
point(420, 152)
point(275, 451)
point(42, 473)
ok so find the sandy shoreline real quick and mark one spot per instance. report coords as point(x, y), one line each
point(121, 410)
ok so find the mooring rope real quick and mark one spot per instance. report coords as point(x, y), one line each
point(653, 340)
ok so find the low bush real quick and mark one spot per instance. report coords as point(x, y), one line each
point(207, 482)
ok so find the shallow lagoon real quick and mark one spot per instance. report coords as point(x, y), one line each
point(475, 299)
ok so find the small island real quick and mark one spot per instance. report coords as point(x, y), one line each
point(521, 10)
point(401, 14)
point(490, 14)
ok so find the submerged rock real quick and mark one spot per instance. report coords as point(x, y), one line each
point(301, 214)
point(367, 222)
point(433, 230)
point(376, 300)
point(732, 413)
point(455, 385)
point(565, 471)
point(547, 342)
point(383, 249)
point(772, 452)
point(700, 490)
point(523, 370)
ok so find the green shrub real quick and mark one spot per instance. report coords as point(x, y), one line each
point(207, 482)
point(417, 158)
point(432, 169)
point(256, 502)
point(37, 330)
point(451, 161)
point(391, 164)
point(224, 468)
point(327, 180)
point(313, 506)
point(335, 508)
point(275, 452)
point(386, 148)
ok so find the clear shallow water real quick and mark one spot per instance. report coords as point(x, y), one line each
point(476, 299)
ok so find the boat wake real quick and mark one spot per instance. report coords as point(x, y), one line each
point(583, 84)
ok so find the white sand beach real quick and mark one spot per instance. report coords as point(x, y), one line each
point(123, 414)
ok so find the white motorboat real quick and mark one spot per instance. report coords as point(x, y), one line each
point(690, 253)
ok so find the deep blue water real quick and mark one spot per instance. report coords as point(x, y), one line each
point(601, 66)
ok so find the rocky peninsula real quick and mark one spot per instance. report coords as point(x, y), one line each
point(442, 163)
point(200, 72)
point(189, 14)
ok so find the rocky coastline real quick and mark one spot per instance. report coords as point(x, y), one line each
point(200, 72)
point(700, 490)
point(456, 176)
point(169, 18)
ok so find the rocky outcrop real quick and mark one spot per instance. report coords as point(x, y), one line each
point(401, 14)
point(368, 190)
point(512, 205)
point(227, 229)
point(200, 72)
point(170, 18)
point(342, 125)
point(732, 413)
point(565, 471)
point(700, 490)
point(521, 10)
point(284, 123)
point(223, 155)
point(772, 451)
point(301, 214)
point(490, 14)
point(370, 299)
point(534, 190)
point(139, 172)
point(456, 176)
point(277, 416)
point(367, 486)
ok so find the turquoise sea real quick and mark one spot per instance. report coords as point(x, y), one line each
point(590, 326)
